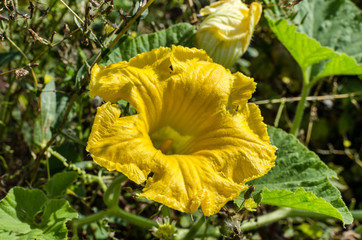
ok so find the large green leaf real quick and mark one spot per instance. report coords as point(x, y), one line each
point(308, 52)
point(128, 47)
point(334, 23)
point(300, 180)
point(19, 212)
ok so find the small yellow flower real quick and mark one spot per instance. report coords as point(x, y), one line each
point(47, 78)
point(194, 129)
point(226, 33)
point(250, 205)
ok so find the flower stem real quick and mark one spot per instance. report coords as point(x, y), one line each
point(195, 228)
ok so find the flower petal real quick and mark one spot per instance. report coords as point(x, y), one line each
point(238, 147)
point(243, 88)
point(197, 89)
point(121, 144)
point(255, 12)
point(136, 81)
point(186, 182)
point(226, 32)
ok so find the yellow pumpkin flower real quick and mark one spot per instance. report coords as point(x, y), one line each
point(226, 33)
point(194, 129)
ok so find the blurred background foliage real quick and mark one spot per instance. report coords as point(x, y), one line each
point(44, 42)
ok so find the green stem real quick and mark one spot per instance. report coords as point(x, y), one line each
point(115, 212)
point(195, 228)
point(300, 110)
point(135, 219)
point(357, 214)
point(255, 223)
point(282, 213)
point(111, 196)
point(301, 105)
point(279, 113)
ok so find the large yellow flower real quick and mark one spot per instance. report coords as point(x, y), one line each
point(194, 129)
point(226, 32)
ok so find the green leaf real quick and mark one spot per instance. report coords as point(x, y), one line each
point(56, 213)
point(42, 132)
point(334, 23)
point(9, 56)
point(127, 47)
point(57, 186)
point(300, 180)
point(18, 209)
point(299, 199)
point(307, 52)
point(19, 212)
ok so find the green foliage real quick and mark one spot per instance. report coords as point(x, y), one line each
point(308, 52)
point(7, 57)
point(20, 214)
point(44, 126)
point(300, 180)
point(128, 47)
point(334, 23)
point(57, 186)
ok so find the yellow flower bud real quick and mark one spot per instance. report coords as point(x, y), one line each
point(226, 32)
point(47, 78)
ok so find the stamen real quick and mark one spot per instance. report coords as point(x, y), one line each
point(166, 146)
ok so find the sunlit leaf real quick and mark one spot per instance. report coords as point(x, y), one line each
point(300, 180)
point(300, 199)
point(19, 212)
point(308, 51)
point(334, 23)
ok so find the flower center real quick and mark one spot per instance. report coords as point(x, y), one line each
point(166, 146)
point(169, 141)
